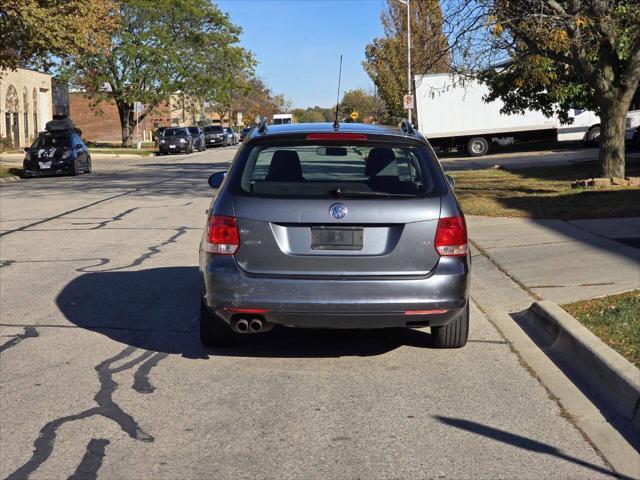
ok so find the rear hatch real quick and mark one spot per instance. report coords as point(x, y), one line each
point(318, 211)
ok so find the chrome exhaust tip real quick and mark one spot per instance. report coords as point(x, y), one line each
point(242, 326)
point(256, 325)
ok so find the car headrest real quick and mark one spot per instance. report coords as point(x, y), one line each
point(285, 167)
point(381, 161)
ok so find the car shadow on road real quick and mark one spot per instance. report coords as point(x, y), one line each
point(157, 309)
point(520, 442)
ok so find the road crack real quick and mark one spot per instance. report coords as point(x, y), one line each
point(106, 407)
point(29, 332)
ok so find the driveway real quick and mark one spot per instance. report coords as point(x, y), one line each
point(103, 376)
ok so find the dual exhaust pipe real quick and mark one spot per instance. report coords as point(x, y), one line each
point(250, 325)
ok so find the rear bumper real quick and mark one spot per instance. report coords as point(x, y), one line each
point(214, 141)
point(338, 302)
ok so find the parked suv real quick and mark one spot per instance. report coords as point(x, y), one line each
point(355, 227)
point(214, 135)
point(176, 139)
point(198, 139)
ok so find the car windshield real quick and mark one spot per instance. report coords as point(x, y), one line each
point(213, 129)
point(339, 171)
point(174, 132)
point(194, 130)
point(49, 141)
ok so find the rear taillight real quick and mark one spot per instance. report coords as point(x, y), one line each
point(223, 237)
point(451, 237)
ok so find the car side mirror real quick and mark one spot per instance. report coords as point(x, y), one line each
point(26, 149)
point(451, 181)
point(79, 145)
point(216, 179)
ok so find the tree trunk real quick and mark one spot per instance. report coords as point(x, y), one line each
point(613, 113)
point(125, 112)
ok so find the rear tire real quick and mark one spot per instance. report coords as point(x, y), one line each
point(477, 147)
point(76, 169)
point(593, 137)
point(214, 331)
point(454, 334)
point(89, 166)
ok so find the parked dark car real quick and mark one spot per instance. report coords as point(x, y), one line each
point(244, 132)
point(317, 227)
point(232, 135)
point(59, 150)
point(176, 140)
point(198, 139)
point(214, 135)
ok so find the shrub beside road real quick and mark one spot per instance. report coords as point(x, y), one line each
point(544, 192)
point(615, 319)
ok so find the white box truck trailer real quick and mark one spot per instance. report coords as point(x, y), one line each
point(451, 113)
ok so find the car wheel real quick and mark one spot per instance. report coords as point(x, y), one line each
point(214, 331)
point(190, 149)
point(477, 147)
point(593, 136)
point(89, 166)
point(76, 169)
point(455, 333)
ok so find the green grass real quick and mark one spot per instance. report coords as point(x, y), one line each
point(544, 192)
point(615, 319)
point(123, 151)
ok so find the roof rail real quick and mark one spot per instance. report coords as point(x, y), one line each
point(406, 127)
point(262, 126)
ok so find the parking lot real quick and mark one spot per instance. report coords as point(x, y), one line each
point(103, 375)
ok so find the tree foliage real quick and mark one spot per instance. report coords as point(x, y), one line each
point(568, 53)
point(386, 58)
point(259, 101)
point(313, 114)
point(160, 48)
point(33, 30)
point(370, 108)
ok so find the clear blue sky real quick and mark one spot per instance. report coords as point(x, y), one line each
point(298, 43)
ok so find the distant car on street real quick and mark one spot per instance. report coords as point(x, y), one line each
point(58, 150)
point(245, 131)
point(322, 227)
point(215, 135)
point(233, 135)
point(176, 140)
point(198, 138)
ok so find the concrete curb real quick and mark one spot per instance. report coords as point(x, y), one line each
point(9, 179)
point(609, 374)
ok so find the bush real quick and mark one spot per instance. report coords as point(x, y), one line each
point(5, 144)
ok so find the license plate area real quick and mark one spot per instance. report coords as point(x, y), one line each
point(336, 238)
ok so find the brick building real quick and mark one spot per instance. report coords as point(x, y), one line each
point(25, 104)
point(102, 123)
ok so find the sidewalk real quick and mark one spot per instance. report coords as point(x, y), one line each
point(563, 261)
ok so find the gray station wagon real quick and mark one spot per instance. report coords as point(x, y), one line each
point(321, 227)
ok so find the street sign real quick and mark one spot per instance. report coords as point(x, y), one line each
point(408, 102)
point(137, 107)
point(354, 116)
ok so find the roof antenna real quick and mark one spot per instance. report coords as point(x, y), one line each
point(336, 124)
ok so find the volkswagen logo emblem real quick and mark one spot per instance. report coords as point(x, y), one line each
point(338, 211)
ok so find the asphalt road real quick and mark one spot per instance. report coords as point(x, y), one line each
point(102, 374)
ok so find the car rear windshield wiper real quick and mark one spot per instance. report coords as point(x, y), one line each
point(339, 192)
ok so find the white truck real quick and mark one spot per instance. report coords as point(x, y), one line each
point(282, 119)
point(451, 113)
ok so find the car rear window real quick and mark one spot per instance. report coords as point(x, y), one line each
point(339, 171)
point(213, 129)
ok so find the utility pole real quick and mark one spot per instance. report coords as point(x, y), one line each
point(408, 4)
point(409, 54)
